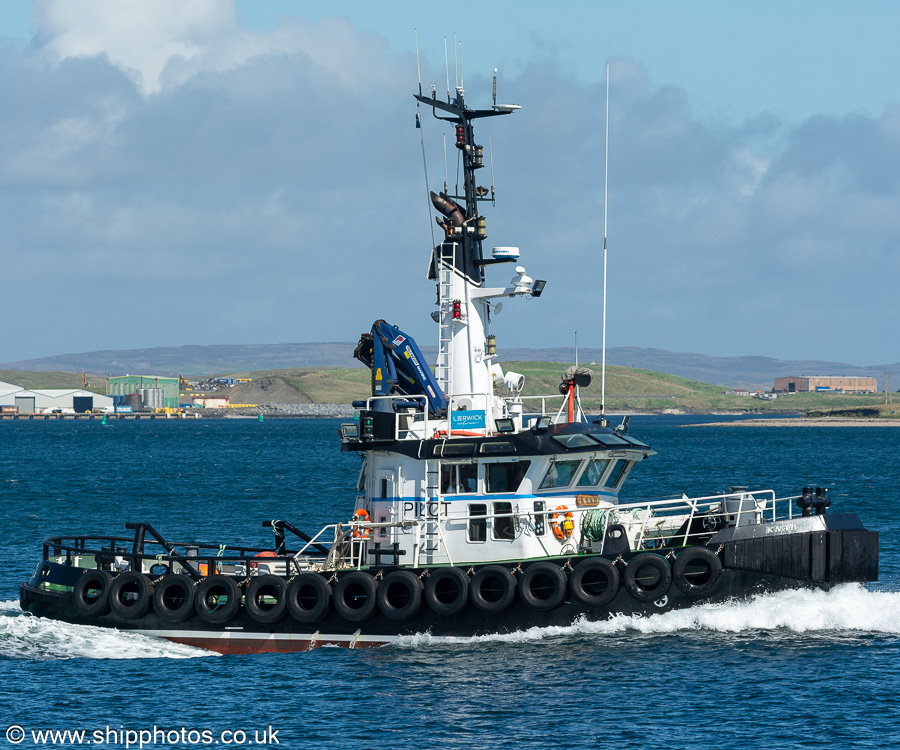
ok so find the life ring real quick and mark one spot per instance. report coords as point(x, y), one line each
point(543, 586)
point(91, 593)
point(492, 589)
point(354, 596)
point(697, 572)
point(217, 599)
point(647, 577)
point(129, 595)
point(266, 599)
point(399, 595)
point(447, 591)
point(173, 597)
point(360, 516)
point(308, 597)
point(595, 582)
point(562, 530)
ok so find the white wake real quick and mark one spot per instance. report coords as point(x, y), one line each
point(23, 636)
point(847, 610)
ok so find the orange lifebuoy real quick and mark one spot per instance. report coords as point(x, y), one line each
point(562, 530)
point(361, 516)
point(443, 433)
point(264, 553)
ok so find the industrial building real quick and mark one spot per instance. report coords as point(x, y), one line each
point(825, 383)
point(38, 400)
point(122, 385)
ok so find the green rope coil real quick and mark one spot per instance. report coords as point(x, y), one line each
point(593, 524)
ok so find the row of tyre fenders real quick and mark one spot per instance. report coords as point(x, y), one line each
point(400, 594)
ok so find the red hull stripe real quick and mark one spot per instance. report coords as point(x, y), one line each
point(235, 642)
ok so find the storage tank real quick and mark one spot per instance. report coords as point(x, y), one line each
point(154, 398)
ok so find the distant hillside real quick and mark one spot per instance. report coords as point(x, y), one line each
point(750, 371)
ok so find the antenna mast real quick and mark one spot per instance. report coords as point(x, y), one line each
point(605, 205)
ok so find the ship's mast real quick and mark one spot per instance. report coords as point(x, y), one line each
point(469, 230)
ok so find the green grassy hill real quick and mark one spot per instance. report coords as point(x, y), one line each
point(627, 389)
point(28, 379)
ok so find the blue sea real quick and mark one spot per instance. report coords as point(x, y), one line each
point(793, 670)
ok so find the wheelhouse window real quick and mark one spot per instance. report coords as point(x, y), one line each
point(593, 473)
point(617, 473)
point(504, 477)
point(458, 479)
point(560, 474)
point(476, 530)
point(503, 528)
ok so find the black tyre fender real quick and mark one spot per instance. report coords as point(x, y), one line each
point(355, 596)
point(130, 594)
point(257, 598)
point(217, 599)
point(697, 572)
point(492, 589)
point(308, 597)
point(173, 597)
point(400, 595)
point(447, 591)
point(543, 586)
point(648, 577)
point(595, 582)
point(90, 594)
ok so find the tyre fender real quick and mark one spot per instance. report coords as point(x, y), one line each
point(543, 586)
point(648, 577)
point(400, 595)
point(492, 589)
point(697, 572)
point(130, 594)
point(217, 599)
point(447, 591)
point(90, 595)
point(308, 597)
point(355, 596)
point(266, 599)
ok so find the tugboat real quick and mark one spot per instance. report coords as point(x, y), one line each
point(478, 510)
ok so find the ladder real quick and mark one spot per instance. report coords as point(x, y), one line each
point(444, 369)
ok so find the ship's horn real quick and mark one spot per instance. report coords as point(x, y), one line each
point(450, 208)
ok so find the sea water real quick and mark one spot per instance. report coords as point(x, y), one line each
point(795, 669)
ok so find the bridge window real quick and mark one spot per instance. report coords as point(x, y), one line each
point(477, 527)
point(504, 477)
point(457, 479)
point(617, 473)
point(593, 472)
point(560, 474)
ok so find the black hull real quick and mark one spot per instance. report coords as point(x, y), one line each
point(243, 635)
point(755, 561)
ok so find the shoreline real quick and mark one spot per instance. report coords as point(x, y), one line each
point(803, 422)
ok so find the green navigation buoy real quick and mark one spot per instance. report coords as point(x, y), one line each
point(260, 418)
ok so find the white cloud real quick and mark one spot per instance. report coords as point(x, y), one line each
point(165, 43)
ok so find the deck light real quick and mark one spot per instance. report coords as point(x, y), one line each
point(537, 289)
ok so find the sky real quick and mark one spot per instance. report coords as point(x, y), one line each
point(226, 172)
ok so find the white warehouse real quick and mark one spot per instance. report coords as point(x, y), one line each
point(39, 400)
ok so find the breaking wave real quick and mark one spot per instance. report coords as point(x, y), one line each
point(846, 610)
point(23, 636)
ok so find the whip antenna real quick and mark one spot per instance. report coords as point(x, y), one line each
point(447, 68)
point(418, 67)
point(605, 206)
